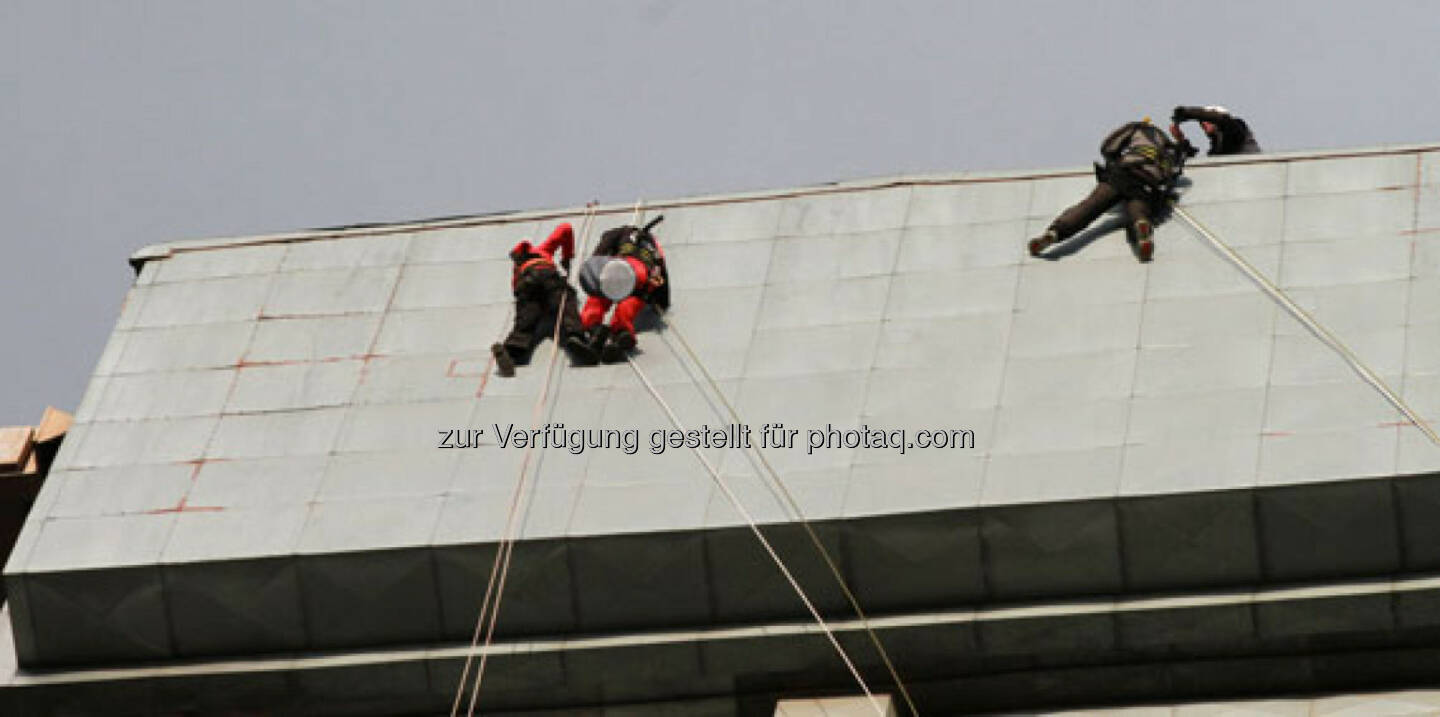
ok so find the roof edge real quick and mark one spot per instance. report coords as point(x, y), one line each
point(166, 249)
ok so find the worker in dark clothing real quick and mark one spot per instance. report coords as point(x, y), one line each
point(1141, 166)
point(1228, 134)
point(540, 293)
point(627, 270)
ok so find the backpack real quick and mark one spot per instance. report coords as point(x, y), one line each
point(1140, 157)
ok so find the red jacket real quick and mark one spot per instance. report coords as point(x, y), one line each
point(527, 256)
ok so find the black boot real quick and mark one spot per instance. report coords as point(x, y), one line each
point(504, 365)
point(597, 338)
point(621, 345)
point(578, 346)
point(1041, 243)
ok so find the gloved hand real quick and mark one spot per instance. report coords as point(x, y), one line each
point(565, 264)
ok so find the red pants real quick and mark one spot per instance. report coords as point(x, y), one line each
point(625, 312)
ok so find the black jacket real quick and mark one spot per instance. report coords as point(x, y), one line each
point(1233, 135)
point(629, 241)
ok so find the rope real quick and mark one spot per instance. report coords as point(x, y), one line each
point(799, 515)
point(500, 568)
point(1311, 324)
point(735, 501)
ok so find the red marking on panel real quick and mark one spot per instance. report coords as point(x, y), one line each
point(184, 507)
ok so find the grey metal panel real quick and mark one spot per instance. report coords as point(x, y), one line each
point(315, 338)
point(1348, 260)
point(331, 291)
point(940, 294)
point(538, 597)
point(292, 387)
point(1093, 634)
point(393, 522)
point(1180, 631)
point(1050, 549)
point(404, 379)
point(198, 265)
point(879, 489)
point(1339, 216)
point(263, 435)
point(164, 395)
point(1417, 499)
point(837, 256)
point(1193, 270)
point(1242, 223)
point(725, 265)
point(258, 482)
point(1316, 531)
point(116, 443)
point(366, 598)
point(212, 534)
point(1182, 541)
point(627, 580)
point(746, 585)
point(1224, 183)
point(211, 301)
point(1351, 174)
point(914, 561)
point(68, 544)
point(965, 246)
point(798, 304)
point(812, 350)
point(352, 476)
point(1317, 620)
point(207, 619)
point(1165, 465)
point(463, 329)
point(1052, 476)
point(477, 243)
point(120, 490)
point(856, 212)
point(428, 286)
point(185, 347)
point(99, 616)
point(979, 203)
point(381, 250)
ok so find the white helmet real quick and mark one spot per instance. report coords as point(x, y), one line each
point(617, 279)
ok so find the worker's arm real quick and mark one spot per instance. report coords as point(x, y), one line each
point(563, 239)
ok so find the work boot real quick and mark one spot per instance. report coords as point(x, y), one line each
point(620, 345)
point(504, 364)
point(597, 338)
point(578, 346)
point(1042, 242)
point(1144, 241)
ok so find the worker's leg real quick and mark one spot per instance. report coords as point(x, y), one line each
point(594, 311)
point(560, 303)
point(625, 312)
point(529, 311)
point(1140, 227)
point(1079, 216)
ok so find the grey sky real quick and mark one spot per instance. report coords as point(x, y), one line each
point(126, 124)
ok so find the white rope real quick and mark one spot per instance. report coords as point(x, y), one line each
point(1311, 324)
point(500, 568)
point(735, 501)
point(798, 514)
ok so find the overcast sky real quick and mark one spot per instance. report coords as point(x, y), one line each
point(124, 124)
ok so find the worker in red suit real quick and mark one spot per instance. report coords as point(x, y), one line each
point(627, 271)
point(541, 293)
